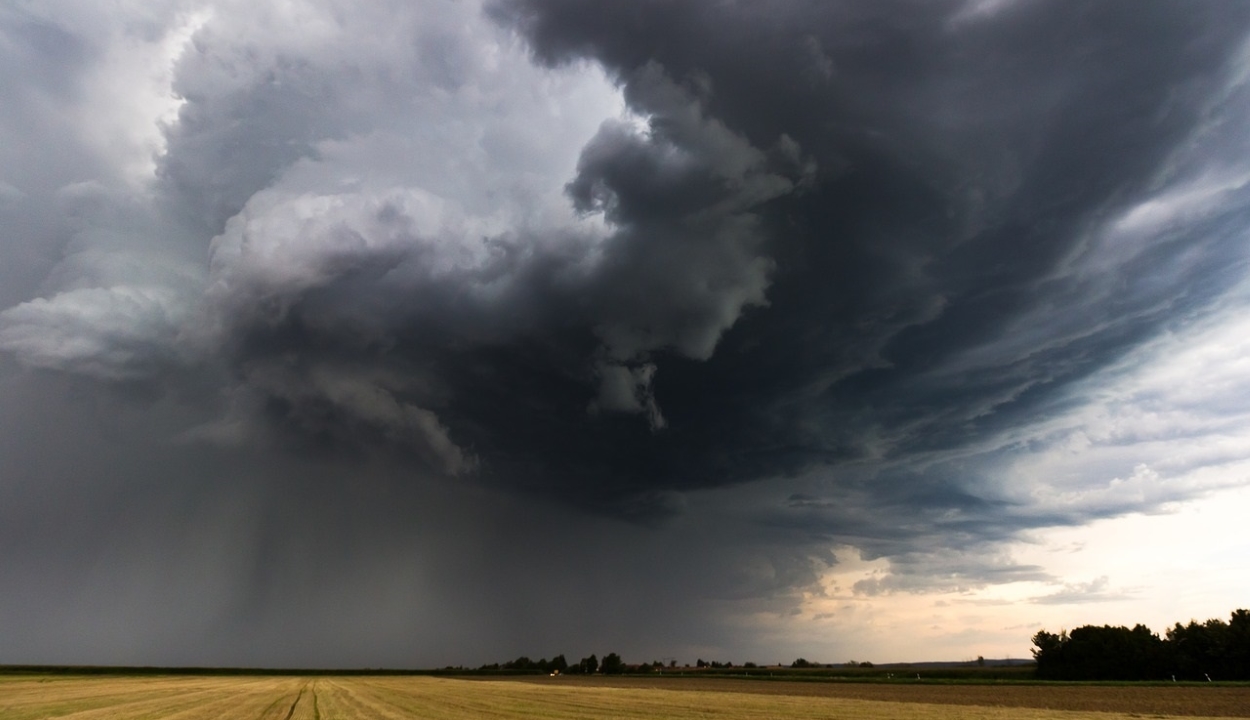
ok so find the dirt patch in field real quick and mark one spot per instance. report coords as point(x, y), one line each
point(1188, 700)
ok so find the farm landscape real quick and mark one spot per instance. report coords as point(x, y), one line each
point(366, 697)
point(347, 346)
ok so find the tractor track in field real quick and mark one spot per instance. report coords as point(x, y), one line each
point(295, 703)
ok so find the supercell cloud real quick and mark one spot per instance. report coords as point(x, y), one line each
point(428, 333)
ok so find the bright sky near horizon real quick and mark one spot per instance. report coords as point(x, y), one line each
point(426, 333)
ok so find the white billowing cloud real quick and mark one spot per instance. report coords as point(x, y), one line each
point(116, 333)
point(88, 90)
point(404, 157)
point(413, 177)
point(378, 169)
point(115, 305)
point(388, 257)
point(281, 247)
point(118, 103)
point(435, 138)
point(138, 66)
point(451, 198)
point(422, 94)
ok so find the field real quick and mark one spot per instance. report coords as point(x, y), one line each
point(32, 697)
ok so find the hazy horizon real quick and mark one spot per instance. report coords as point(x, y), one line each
point(426, 333)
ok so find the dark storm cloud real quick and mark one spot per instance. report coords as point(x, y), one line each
point(832, 233)
point(166, 442)
point(371, 312)
point(930, 285)
point(397, 310)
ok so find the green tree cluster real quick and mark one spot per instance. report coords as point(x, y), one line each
point(612, 664)
point(712, 664)
point(523, 663)
point(1213, 650)
point(585, 666)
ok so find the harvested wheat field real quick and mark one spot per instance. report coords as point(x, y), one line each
point(1182, 700)
point(395, 698)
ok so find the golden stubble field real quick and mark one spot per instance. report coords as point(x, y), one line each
point(396, 697)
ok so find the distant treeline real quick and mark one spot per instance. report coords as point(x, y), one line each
point(610, 665)
point(1213, 650)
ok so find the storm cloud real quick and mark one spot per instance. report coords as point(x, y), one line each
point(463, 330)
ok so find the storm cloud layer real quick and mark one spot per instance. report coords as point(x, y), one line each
point(453, 329)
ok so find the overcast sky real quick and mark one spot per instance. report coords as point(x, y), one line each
point(423, 333)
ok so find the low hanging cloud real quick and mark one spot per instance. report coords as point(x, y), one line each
point(113, 333)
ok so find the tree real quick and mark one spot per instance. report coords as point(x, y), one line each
point(612, 664)
point(589, 665)
point(1048, 653)
point(1200, 650)
point(1210, 650)
point(521, 663)
point(1238, 657)
point(1099, 653)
